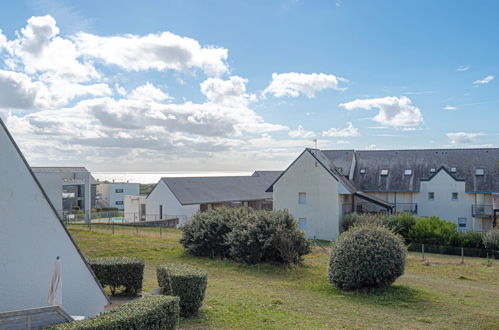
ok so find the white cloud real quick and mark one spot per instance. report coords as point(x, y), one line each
point(462, 137)
point(293, 84)
point(300, 132)
point(162, 51)
point(483, 81)
point(450, 107)
point(348, 131)
point(227, 92)
point(147, 92)
point(393, 111)
point(17, 91)
point(342, 142)
point(462, 68)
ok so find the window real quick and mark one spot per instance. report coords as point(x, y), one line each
point(454, 196)
point(161, 212)
point(119, 202)
point(362, 171)
point(431, 196)
point(408, 172)
point(462, 223)
point(432, 170)
point(119, 191)
point(479, 171)
point(302, 223)
point(302, 198)
point(384, 172)
point(453, 170)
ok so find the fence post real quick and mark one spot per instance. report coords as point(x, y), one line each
point(422, 250)
point(462, 255)
point(136, 229)
point(160, 230)
point(113, 227)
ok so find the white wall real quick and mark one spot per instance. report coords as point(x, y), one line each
point(110, 196)
point(52, 184)
point(323, 207)
point(162, 195)
point(133, 207)
point(31, 237)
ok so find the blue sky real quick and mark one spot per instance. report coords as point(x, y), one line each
point(243, 85)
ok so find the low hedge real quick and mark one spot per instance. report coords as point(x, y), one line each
point(151, 312)
point(185, 281)
point(119, 272)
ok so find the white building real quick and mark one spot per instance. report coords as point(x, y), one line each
point(113, 194)
point(68, 188)
point(32, 236)
point(182, 197)
point(458, 185)
point(135, 208)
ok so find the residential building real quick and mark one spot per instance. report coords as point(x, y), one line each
point(68, 188)
point(458, 185)
point(135, 208)
point(182, 197)
point(32, 237)
point(113, 193)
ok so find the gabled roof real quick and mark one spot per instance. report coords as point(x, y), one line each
point(202, 190)
point(38, 169)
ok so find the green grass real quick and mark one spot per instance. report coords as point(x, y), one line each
point(443, 294)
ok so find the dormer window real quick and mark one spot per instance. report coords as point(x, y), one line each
point(453, 170)
point(384, 172)
point(408, 172)
point(432, 170)
point(479, 171)
point(362, 171)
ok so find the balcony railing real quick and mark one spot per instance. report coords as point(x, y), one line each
point(366, 207)
point(482, 211)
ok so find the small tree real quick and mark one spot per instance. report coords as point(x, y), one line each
point(491, 240)
point(433, 230)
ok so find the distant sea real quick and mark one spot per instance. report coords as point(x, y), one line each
point(153, 177)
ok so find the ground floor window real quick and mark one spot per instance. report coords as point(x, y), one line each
point(462, 223)
point(302, 223)
point(119, 202)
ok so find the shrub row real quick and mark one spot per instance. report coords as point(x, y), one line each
point(245, 235)
point(185, 281)
point(117, 272)
point(151, 312)
point(431, 231)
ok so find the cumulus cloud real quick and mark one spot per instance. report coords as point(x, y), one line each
point(484, 81)
point(227, 92)
point(300, 132)
point(348, 131)
point(146, 92)
point(293, 84)
point(393, 111)
point(162, 51)
point(463, 137)
point(450, 107)
point(462, 68)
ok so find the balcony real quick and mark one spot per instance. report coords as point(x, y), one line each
point(366, 207)
point(482, 211)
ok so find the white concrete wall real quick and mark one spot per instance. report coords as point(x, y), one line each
point(52, 184)
point(132, 207)
point(110, 196)
point(31, 237)
point(162, 195)
point(323, 203)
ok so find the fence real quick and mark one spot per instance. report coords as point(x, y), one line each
point(453, 250)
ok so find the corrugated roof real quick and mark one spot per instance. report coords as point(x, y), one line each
point(420, 162)
point(200, 190)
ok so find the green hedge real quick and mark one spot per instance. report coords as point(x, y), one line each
point(119, 272)
point(151, 312)
point(185, 281)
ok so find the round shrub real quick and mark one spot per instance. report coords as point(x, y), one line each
point(491, 240)
point(185, 281)
point(151, 312)
point(204, 235)
point(267, 236)
point(119, 272)
point(366, 257)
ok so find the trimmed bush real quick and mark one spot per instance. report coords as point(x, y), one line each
point(204, 235)
point(267, 236)
point(151, 312)
point(185, 281)
point(401, 224)
point(366, 257)
point(433, 230)
point(119, 272)
point(491, 240)
point(470, 239)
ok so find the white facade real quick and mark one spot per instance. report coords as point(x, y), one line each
point(113, 194)
point(162, 204)
point(319, 216)
point(31, 238)
point(135, 208)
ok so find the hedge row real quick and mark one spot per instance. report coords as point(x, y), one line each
point(185, 281)
point(119, 272)
point(151, 312)
point(245, 235)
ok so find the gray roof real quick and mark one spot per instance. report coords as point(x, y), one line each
point(201, 190)
point(465, 161)
point(38, 169)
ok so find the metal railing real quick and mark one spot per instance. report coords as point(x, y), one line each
point(366, 207)
point(482, 210)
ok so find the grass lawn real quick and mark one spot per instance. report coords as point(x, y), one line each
point(443, 294)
